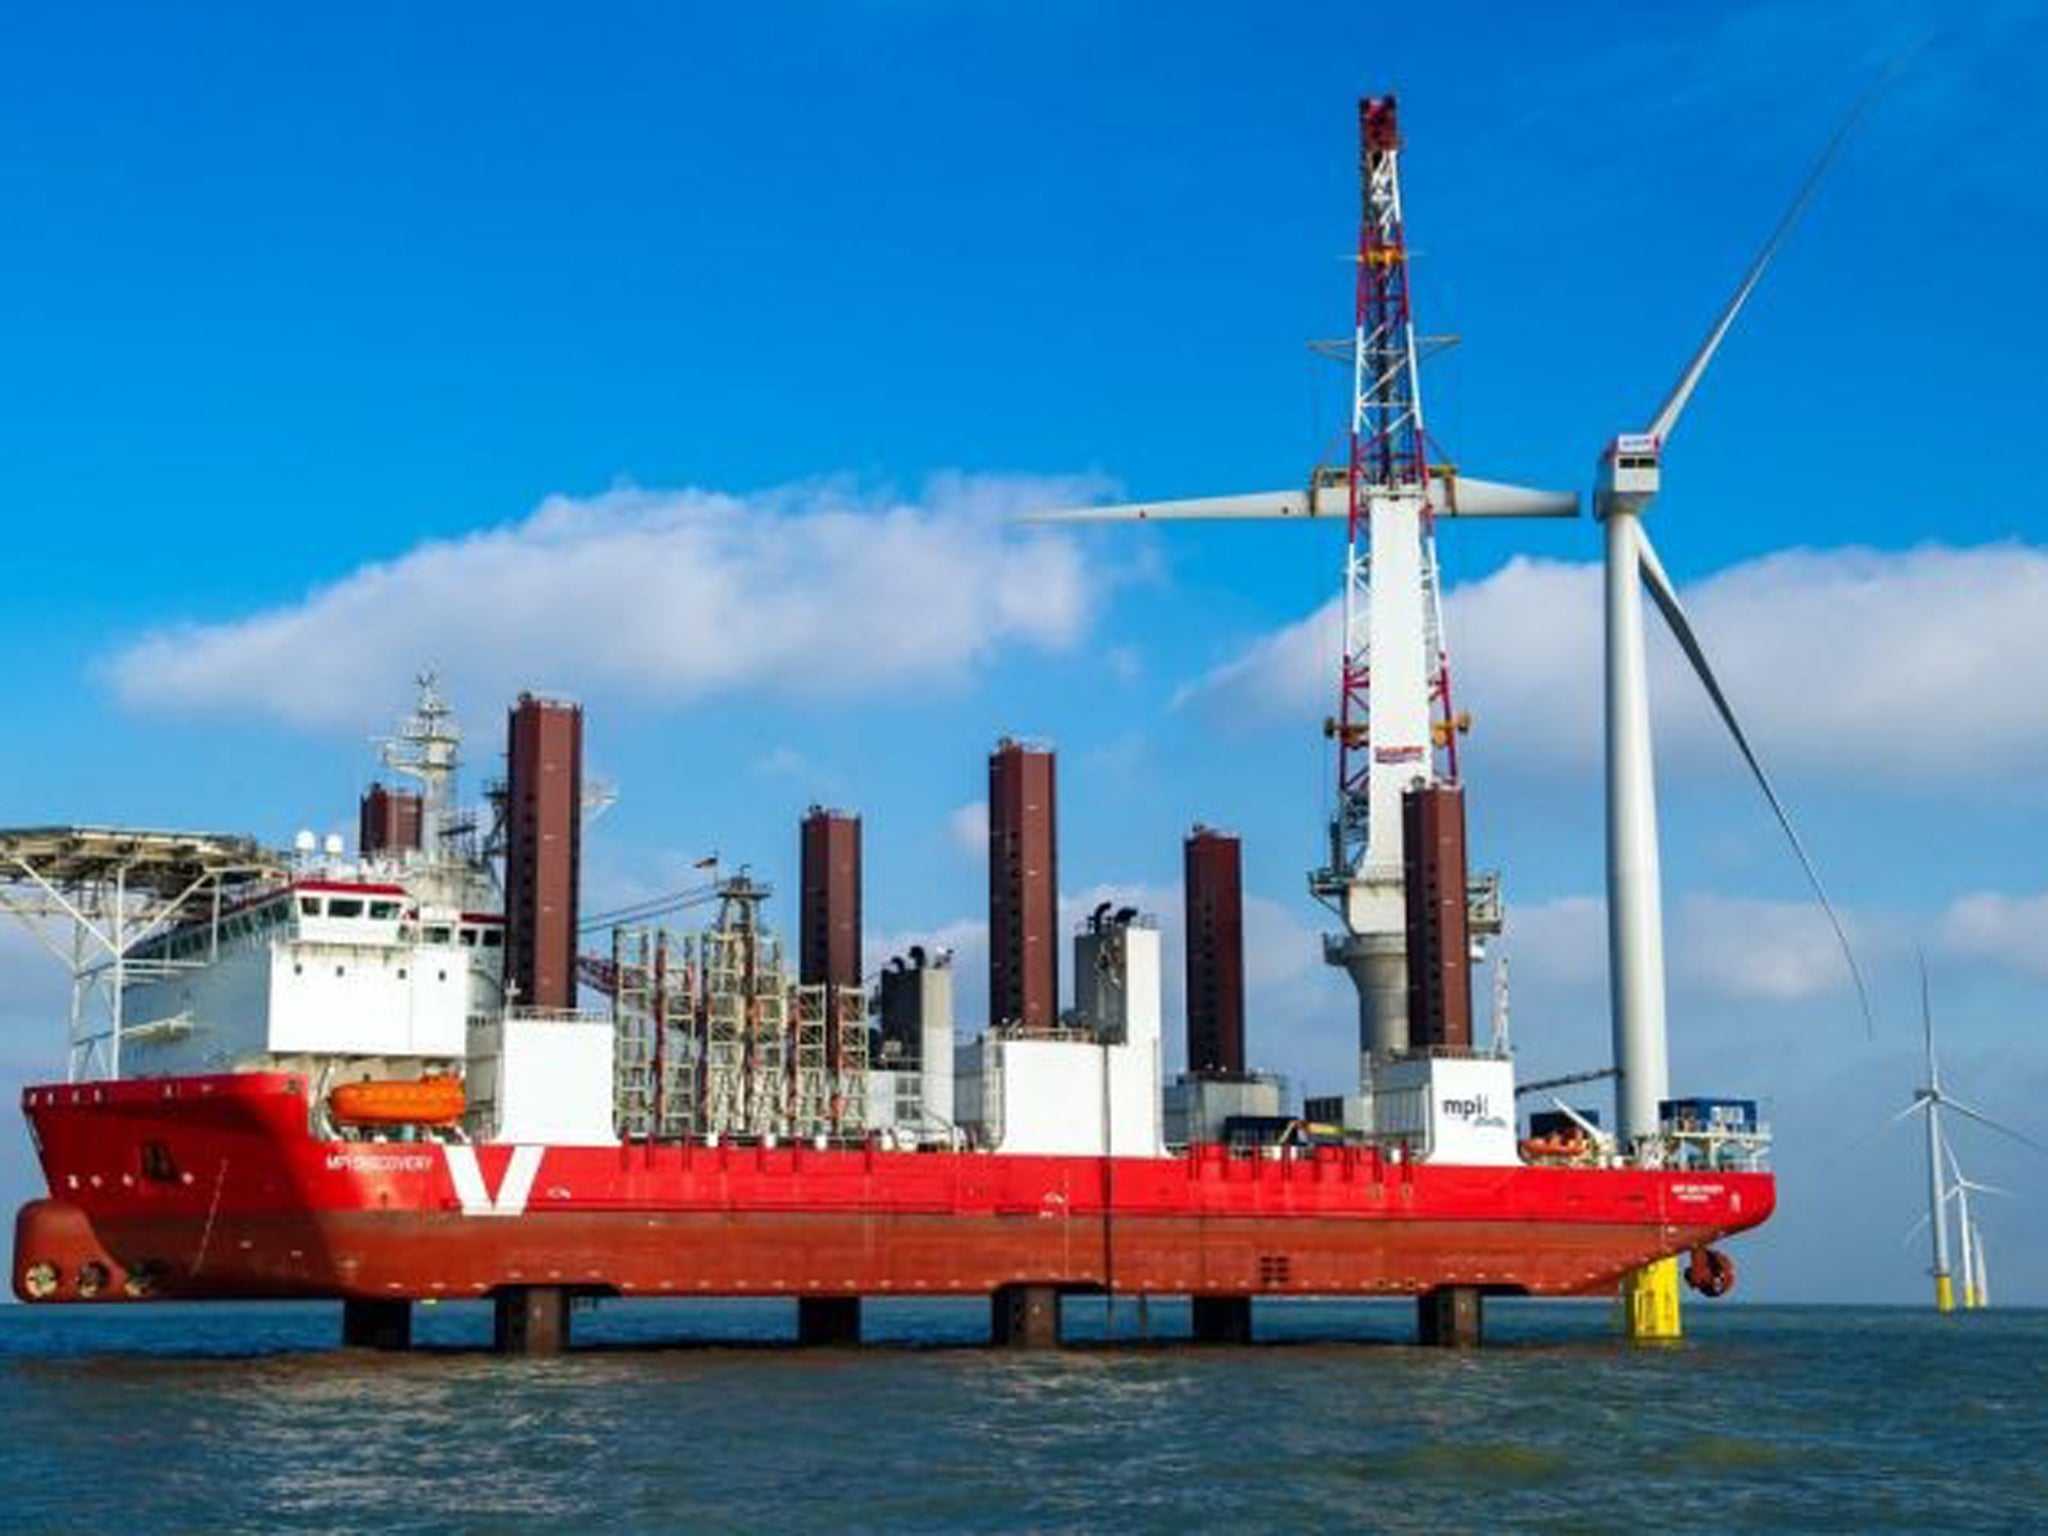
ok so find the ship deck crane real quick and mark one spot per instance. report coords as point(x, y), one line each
point(1394, 725)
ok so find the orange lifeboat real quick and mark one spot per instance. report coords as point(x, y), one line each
point(398, 1101)
point(1557, 1147)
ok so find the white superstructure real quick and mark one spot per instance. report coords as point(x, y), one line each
point(1440, 1109)
point(542, 1079)
point(1092, 1087)
point(317, 971)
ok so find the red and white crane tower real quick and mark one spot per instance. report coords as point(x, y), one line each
point(1394, 724)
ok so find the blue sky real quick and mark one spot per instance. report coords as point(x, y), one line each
point(686, 360)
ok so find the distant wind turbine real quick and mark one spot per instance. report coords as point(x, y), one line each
point(1969, 1231)
point(1933, 1099)
point(1972, 1235)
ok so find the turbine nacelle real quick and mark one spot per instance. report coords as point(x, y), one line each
point(1628, 476)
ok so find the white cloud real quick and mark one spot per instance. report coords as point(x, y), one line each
point(811, 590)
point(2006, 931)
point(967, 829)
point(1745, 950)
point(1560, 943)
point(1726, 948)
point(965, 937)
point(1286, 674)
point(1884, 661)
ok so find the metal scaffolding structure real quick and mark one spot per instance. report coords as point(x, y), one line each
point(652, 981)
point(745, 1017)
point(99, 899)
point(713, 1040)
point(849, 1110)
point(810, 1080)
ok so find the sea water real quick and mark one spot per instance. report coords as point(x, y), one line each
point(689, 1417)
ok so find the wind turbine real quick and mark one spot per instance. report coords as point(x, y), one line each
point(1628, 480)
point(1976, 1291)
point(1932, 1100)
point(1960, 1190)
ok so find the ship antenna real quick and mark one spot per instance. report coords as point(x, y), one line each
point(428, 747)
point(1502, 1045)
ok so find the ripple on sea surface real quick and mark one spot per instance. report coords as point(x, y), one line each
point(176, 1418)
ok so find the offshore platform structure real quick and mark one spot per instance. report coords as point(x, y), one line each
point(1395, 727)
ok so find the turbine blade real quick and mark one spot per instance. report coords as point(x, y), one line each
point(1674, 404)
point(1927, 1023)
point(1919, 1103)
point(1257, 506)
point(1451, 494)
point(1456, 495)
point(1666, 597)
point(1990, 1124)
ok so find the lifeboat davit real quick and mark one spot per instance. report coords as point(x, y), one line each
point(398, 1101)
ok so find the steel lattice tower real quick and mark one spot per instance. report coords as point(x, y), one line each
point(1388, 463)
point(1393, 725)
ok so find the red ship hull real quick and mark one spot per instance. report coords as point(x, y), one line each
point(214, 1188)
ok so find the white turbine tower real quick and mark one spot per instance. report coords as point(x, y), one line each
point(1628, 481)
